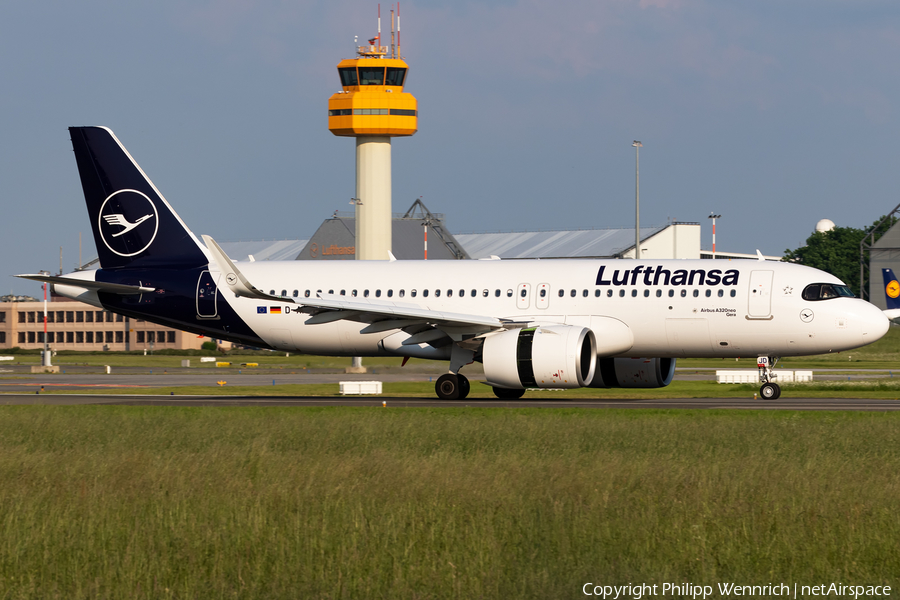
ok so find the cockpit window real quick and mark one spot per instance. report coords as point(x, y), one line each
point(826, 291)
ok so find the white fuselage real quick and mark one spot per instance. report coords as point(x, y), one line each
point(759, 311)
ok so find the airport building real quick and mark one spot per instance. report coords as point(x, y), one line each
point(73, 325)
point(418, 233)
point(884, 254)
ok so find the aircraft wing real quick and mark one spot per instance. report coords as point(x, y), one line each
point(382, 316)
point(332, 308)
point(88, 284)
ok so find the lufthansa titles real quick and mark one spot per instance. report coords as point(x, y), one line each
point(659, 276)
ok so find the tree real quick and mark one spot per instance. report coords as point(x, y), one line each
point(838, 251)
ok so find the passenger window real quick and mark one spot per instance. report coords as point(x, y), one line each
point(365, 293)
point(318, 293)
point(271, 292)
point(621, 293)
point(572, 293)
point(390, 293)
point(296, 293)
point(425, 293)
point(562, 293)
point(596, 293)
point(284, 293)
point(462, 293)
point(696, 293)
point(485, 293)
point(437, 293)
point(402, 293)
point(646, 293)
point(733, 293)
point(659, 293)
point(584, 293)
point(708, 293)
point(633, 293)
point(378, 293)
point(474, 293)
point(509, 293)
point(609, 293)
point(671, 293)
point(683, 293)
point(497, 293)
point(412, 293)
point(523, 293)
point(449, 293)
point(331, 292)
point(543, 293)
point(343, 292)
point(721, 293)
point(353, 293)
point(306, 294)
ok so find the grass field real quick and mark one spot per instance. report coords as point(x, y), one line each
point(139, 502)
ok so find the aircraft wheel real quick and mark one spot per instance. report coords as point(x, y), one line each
point(508, 394)
point(447, 387)
point(464, 386)
point(769, 391)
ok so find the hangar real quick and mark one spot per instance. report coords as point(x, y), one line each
point(419, 229)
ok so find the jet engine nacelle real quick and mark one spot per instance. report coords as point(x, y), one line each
point(634, 372)
point(559, 356)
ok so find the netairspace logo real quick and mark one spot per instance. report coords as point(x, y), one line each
point(727, 590)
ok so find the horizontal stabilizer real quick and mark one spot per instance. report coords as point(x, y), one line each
point(97, 286)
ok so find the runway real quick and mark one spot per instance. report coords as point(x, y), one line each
point(393, 402)
point(21, 388)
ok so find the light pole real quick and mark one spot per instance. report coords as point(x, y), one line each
point(714, 216)
point(45, 359)
point(637, 199)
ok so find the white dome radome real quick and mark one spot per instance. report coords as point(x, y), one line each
point(824, 225)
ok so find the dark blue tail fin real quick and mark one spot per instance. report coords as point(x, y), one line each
point(891, 289)
point(133, 224)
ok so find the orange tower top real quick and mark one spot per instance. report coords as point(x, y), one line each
point(372, 100)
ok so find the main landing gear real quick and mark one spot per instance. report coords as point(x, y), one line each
point(769, 389)
point(452, 386)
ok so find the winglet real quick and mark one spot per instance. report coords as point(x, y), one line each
point(759, 255)
point(235, 280)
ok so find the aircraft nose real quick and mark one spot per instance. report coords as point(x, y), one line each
point(874, 323)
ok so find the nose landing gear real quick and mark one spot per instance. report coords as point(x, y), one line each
point(769, 389)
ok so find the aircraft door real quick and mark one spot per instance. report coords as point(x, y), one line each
point(206, 296)
point(759, 304)
point(523, 295)
point(542, 300)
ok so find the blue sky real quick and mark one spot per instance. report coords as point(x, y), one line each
point(774, 114)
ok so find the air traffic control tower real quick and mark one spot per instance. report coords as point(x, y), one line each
point(373, 108)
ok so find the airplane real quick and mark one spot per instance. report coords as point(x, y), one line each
point(531, 323)
point(891, 295)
